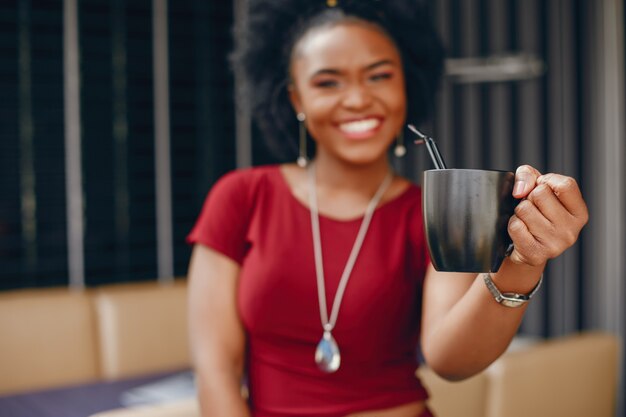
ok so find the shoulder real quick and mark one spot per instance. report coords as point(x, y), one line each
point(409, 187)
point(238, 189)
point(244, 183)
point(408, 216)
point(228, 209)
point(405, 207)
point(246, 177)
point(406, 194)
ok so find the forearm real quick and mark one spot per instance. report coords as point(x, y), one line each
point(219, 394)
point(477, 330)
point(216, 334)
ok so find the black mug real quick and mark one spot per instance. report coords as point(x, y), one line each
point(466, 214)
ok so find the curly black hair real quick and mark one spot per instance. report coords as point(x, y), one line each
point(273, 27)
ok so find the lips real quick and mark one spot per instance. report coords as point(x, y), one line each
point(360, 128)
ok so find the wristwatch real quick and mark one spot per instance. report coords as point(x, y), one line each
point(510, 299)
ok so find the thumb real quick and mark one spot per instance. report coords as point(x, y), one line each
point(525, 180)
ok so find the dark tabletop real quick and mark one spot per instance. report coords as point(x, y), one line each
point(77, 401)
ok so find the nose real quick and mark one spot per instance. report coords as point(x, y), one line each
point(357, 97)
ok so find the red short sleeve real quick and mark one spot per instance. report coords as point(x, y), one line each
point(223, 222)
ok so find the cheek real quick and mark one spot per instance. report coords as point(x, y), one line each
point(399, 98)
point(319, 111)
point(316, 126)
point(397, 108)
point(394, 98)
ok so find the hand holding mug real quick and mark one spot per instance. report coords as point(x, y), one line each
point(549, 217)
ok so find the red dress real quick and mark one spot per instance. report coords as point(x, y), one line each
point(252, 217)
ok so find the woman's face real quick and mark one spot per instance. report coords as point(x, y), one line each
point(348, 81)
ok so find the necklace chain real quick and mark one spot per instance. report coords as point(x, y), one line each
point(329, 324)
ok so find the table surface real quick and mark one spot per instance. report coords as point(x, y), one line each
point(75, 401)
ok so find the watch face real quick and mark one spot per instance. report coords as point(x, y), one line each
point(512, 303)
point(508, 299)
point(513, 299)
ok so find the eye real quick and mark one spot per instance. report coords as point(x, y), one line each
point(326, 83)
point(381, 76)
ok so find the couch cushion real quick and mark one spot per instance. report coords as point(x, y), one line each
point(574, 376)
point(455, 399)
point(143, 329)
point(46, 339)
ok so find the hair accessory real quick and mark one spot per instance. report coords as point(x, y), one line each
point(400, 149)
point(302, 160)
point(327, 355)
point(331, 3)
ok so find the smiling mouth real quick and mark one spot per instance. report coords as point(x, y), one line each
point(358, 127)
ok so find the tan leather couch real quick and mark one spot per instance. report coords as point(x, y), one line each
point(573, 376)
point(54, 337)
point(59, 337)
point(132, 322)
point(47, 339)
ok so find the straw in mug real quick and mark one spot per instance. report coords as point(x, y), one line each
point(431, 146)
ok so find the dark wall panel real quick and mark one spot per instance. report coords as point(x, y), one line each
point(115, 39)
point(32, 182)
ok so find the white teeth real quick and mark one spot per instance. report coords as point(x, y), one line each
point(359, 126)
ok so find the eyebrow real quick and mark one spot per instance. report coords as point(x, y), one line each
point(334, 71)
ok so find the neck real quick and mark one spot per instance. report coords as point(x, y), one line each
point(338, 176)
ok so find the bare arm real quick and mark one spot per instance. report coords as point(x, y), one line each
point(216, 333)
point(463, 328)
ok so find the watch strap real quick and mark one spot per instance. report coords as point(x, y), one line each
point(509, 299)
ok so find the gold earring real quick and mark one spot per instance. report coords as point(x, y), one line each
point(400, 149)
point(302, 159)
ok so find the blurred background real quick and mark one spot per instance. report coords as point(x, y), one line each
point(117, 116)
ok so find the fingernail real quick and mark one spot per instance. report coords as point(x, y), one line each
point(519, 187)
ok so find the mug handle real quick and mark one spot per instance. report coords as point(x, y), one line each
point(509, 250)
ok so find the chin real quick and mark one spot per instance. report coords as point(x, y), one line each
point(365, 158)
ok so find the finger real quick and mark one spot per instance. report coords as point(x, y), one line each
point(527, 249)
point(540, 227)
point(549, 205)
point(550, 237)
point(567, 191)
point(525, 180)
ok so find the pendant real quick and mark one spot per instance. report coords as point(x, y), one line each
point(327, 355)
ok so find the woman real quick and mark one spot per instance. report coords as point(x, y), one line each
point(314, 280)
